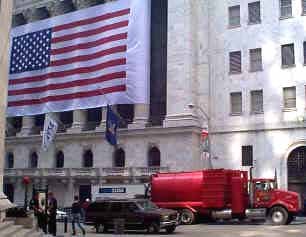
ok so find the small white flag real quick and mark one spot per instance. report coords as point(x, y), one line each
point(50, 128)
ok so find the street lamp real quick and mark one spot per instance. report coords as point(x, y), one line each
point(204, 116)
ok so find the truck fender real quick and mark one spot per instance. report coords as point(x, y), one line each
point(191, 209)
point(279, 203)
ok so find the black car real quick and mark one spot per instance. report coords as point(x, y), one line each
point(137, 214)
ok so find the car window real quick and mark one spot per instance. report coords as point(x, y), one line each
point(146, 204)
point(116, 207)
point(100, 206)
point(130, 206)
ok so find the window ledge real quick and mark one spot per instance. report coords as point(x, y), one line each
point(257, 112)
point(254, 23)
point(285, 17)
point(236, 114)
point(234, 73)
point(258, 70)
point(233, 27)
point(289, 109)
point(288, 66)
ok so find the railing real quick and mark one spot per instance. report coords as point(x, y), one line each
point(55, 172)
point(32, 172)
point(147, 171)
point(85, 172)
point(116, 171)
point(90, 172)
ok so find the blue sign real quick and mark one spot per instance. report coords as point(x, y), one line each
point(112, 190)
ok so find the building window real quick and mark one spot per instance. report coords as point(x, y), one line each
point(234, 16)
point(285, 8)
point(59, 159)
point(236, 103)
point(257, 101)
point(255, 60)
point(289, 97)
point(303, 7)
point(88, 159)
point(9, 160)
point(247, 155)
point(288, 55)
point(33, 160)
point(254, 12)
point(154, 157)
point(119, 158)
point(235, 62)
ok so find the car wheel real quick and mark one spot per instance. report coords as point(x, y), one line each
point(100, 228)
point(187, 217)
point(278, 215)
point(153, 228)
point(170, 229)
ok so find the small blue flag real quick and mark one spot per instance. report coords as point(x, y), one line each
point(112, 122)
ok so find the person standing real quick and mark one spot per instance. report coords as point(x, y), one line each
point(52, 207)
point(76, 212)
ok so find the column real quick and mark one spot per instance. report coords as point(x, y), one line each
point(79, 120)
point(70, 192)
point(141, 116)
point(28, 123)
point(102, 126)
point(182, 86)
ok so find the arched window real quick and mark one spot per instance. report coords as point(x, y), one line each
point(119, 158)
point(154, 157)
point(59, 159)
point(33, 160)
point(88, 158)
point(9, 160)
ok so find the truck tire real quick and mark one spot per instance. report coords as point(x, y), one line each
point(278, 215)
point(153, 228)
point(170, 229)
point(187, 217)
point(290, 219)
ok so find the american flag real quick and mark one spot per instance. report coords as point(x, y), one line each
point(71, 62)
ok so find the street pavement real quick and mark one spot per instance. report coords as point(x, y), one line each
point(221, 229)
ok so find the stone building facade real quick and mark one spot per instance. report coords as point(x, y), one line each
point(234, 67)
point(161, 136)
point(267, 129)
point(5, 25)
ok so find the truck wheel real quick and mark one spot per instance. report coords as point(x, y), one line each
point(187, 217)
point(170, 229)
point(290, 219)
point(278, 215)
point(153, 228)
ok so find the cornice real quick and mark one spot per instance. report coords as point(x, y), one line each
point(98, 135)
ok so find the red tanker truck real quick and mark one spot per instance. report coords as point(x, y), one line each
point(223, 194)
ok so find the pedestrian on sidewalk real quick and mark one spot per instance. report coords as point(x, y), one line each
point(52, 207)
point(76, 212)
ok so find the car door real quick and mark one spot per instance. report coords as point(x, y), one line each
point(133, 216)
point(116, 211)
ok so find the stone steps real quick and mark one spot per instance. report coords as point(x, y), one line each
point(8, 229)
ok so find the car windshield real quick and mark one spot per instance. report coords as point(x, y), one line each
point(146, 204)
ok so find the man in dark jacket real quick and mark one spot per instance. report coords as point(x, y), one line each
point(52, 207)
point(76, 212)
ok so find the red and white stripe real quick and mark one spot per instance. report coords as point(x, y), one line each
point(88, 58)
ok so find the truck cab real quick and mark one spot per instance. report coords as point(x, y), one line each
point(281, 205)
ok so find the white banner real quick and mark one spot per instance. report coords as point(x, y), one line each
point(50, 128)
point(84, 59)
